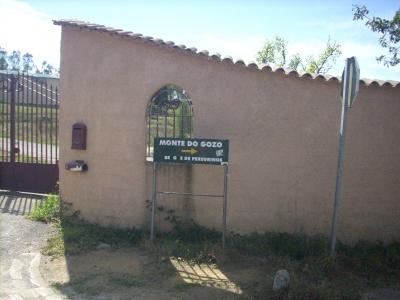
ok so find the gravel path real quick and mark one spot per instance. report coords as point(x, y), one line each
point(20, 242)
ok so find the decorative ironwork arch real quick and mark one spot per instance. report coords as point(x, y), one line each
point(169, 114)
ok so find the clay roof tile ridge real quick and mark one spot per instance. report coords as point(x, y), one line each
point(216, 56)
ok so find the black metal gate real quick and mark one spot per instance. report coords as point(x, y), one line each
point(29, 133)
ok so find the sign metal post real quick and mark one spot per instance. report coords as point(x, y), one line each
point(190, 151)
point(224, 206)
point(153, 200)
point(349, 90)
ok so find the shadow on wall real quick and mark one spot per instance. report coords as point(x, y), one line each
point(19, 203)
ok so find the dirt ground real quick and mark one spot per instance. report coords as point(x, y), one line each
point(137, 273)
point(134, 273)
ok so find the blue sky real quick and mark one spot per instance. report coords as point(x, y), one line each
point(236, 28)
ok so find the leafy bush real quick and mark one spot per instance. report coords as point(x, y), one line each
point(49, 211)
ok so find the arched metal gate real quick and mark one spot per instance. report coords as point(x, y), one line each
point(29, 133)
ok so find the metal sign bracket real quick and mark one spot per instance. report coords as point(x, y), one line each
point(155, 193)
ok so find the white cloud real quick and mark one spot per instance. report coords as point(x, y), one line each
point(28, 30)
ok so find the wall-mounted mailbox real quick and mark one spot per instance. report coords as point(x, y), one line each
point(79, 136)
point(76, 166)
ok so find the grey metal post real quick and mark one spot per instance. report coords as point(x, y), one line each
point(225, 201)
point(340, 165)
point(153, 201)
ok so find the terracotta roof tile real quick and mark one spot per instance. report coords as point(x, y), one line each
point(228, 59)
point(293, 73)
point(320, 77)
point(204, 52)
point(279, 70)
point(266, 68)
point(127, 33)
point(215, 56)
point(333, 78)
point(240, 62)
point(306, 75)
point(252, 65)
point(158, 41)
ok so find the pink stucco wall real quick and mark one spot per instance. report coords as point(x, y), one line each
point(283, 133)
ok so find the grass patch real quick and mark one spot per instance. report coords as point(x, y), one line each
point(126, 280)
point(75, 236)
point(184, 286)
point(55, 245)
point(91, 284)
point(56, 285)
point(48, 211)
point(314, 275)
point(94, 284)
point(202, 245)
point(20, 158)
point(34, 123)
point(370, 259)
point(193, 242)
point(296, 246)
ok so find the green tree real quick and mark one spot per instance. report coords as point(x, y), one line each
point(14, 61)
point(324, 61)
point(275, 52)
point(27, 62)
point(3, 59)
point(47, 69)
point(389, 31)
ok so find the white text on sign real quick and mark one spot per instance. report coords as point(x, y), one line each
point(185, 143)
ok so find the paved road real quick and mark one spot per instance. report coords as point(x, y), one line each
point(31, 149)
point(20, 242)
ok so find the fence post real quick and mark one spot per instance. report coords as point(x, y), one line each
point(13, 87)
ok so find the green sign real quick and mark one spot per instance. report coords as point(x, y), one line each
point(191, 151)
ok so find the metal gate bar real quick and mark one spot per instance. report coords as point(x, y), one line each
point(190, 194)
point(12, 119)
point(4, 116)
point(29, 137)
